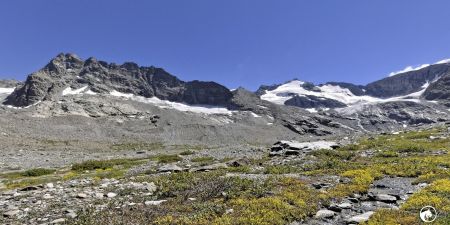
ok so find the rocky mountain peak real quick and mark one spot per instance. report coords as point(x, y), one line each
point(70, 71)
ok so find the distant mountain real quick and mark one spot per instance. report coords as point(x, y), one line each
point(69, 71)
point(155, 101)
point(429, 83)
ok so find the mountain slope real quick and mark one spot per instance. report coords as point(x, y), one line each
point(68, 71)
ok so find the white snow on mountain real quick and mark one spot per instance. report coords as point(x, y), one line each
point(70, 91)
point(173, 105)
point(286, 91)
point(414, 68)
point(6, 90)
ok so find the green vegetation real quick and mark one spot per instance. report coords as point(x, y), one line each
point(187, 152)
point(37, 172)
point(105, 164)
point(273, 201)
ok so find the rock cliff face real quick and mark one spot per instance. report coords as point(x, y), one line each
point(406, 83)
point(310, 101)
point(439, 90)
point(68, 70)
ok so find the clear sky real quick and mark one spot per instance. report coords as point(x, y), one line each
point(234, 42)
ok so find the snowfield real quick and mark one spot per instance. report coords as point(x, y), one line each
point(286, 91)
point(173, 105)
point(6, 90)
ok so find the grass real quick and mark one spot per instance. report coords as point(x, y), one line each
point(105, 164)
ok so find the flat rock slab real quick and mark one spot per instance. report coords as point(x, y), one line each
point(360, 218)
point(325, 213)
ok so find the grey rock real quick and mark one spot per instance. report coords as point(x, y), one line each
point(152, 203)
point(58, 221)
point(360, 218)
point(310, 101)
point(385, 198)
point(82, 195)
point(111, 195)
point(170, 168)
point(325, 213)
point(11, 213)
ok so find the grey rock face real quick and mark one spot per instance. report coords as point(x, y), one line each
point(310, 101)
point(438, 90)
point(360, 218)
point(68, 70)
point(406, 83)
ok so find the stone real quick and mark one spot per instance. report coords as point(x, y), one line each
point(325, 213)
point(82, 195)
point(148, 203)
point(49, 185)
point(99, 195)
point(30, 188)
point(47, 196)
point(71, 215)
point(215, 166)
point(111, 195)
point(11, 213)
point(360, 218)
point(385, 198)
point(170, 168)
point(57, 221)
point(345, 205)
point(151, 187)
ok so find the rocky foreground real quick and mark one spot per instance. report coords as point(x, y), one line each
point(377, 180)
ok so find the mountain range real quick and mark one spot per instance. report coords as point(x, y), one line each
point(95, 90)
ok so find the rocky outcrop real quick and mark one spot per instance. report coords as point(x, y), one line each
point(439, 90)
point(310, 101)
point(287, 148)
point(68, 70)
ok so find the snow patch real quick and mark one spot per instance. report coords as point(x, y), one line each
point(174, 105)
point(255, 115)
point(26, 107)
point(6, 90)
point(70, 91)
point(311, 110)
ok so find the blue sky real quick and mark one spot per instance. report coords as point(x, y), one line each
point(234, 42)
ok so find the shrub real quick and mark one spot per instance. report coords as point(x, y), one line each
point(104, 164)
point(37, 172)
point(187, 152)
